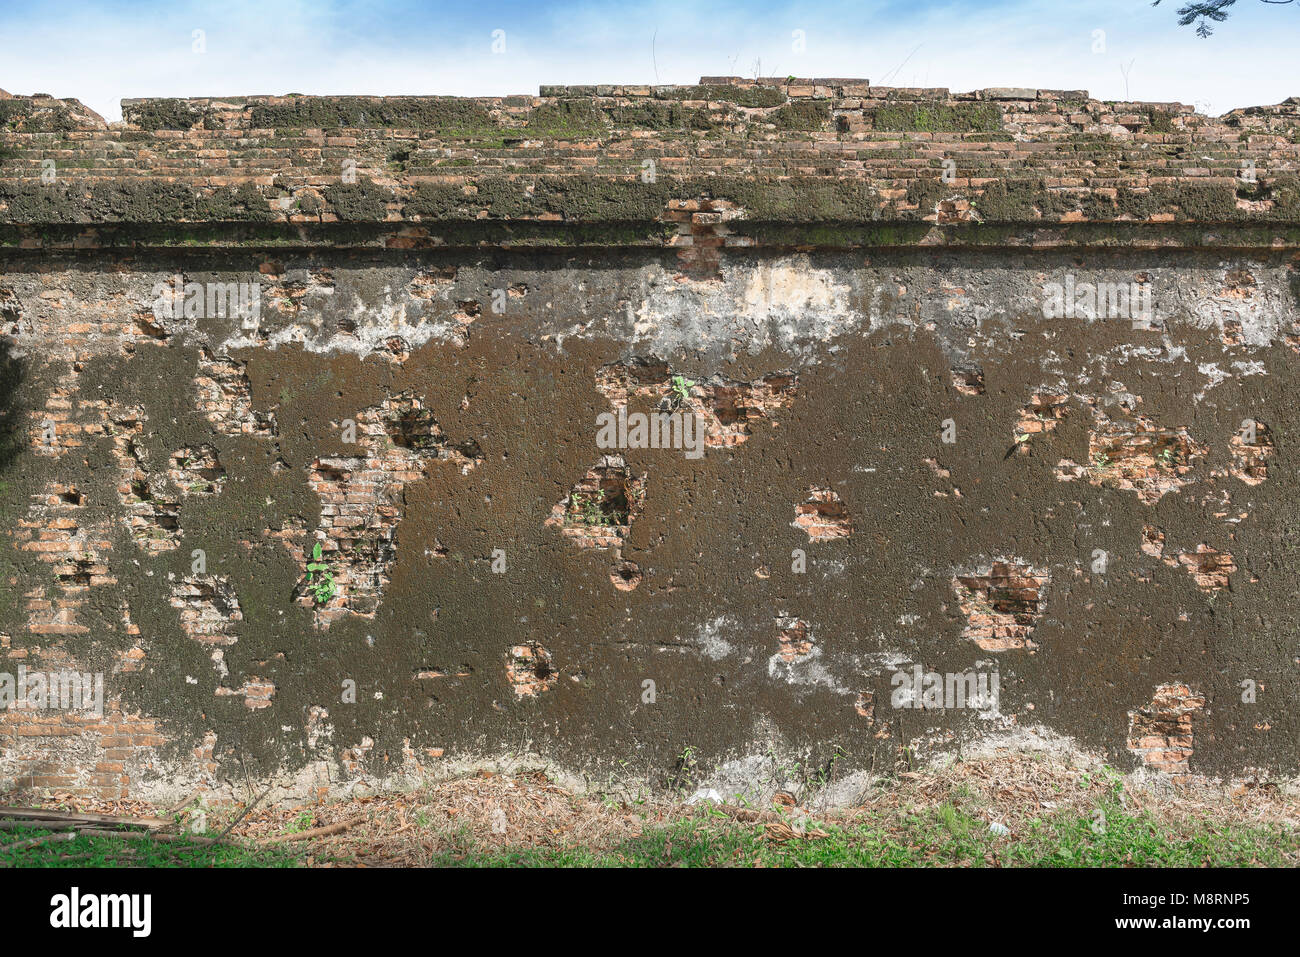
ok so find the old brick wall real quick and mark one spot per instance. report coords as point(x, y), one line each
point(921, 442)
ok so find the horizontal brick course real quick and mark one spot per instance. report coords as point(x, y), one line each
point(578, 154)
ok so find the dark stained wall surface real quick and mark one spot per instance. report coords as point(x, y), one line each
point(327, 433)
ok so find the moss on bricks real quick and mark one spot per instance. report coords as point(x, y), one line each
point(162, 114)
point(359, 202)
point(1098, 209)
point(751, 97)
point(504, 198)
point(1137, 203)
point(1285, 193)
point(1161, 121)
point(798, 200)
point(431, 201)
point(448, 115)
point(309, 204)
point(580, 199)
point(809, 115)
point(662, 115)
point(12, 112)
point(244, 203)
point(926, 193)
point(566, 119)
point(600, 199)
point(1018, 201)
point(36, 116)
point(1201, 204)
point(937, 117)
point(131, 201)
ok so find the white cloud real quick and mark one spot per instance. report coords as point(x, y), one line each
point(278, 46)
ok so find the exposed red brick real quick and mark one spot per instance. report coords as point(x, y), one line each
point(77, 550)
point(793, 640)
point(197, 471)
point(824, 516)
point(287, 296)
point(625, 575)
point(702, 233)
point(1249, 460)
point(78, 754)
point(256, 692)
point(225, 396)
point(968, 381)
point(1160, 734)
point(1135, 455)
point(599, 510)
point(1209, 567)
point(1153, 541)
point(865, 705)
point(209, 609)
point(729, 409)
point(363, 499)
point(152, 508)
point(1043, 413)
point(530, 670)
point(1002, 604)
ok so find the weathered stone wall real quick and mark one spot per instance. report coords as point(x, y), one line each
point(922, 444)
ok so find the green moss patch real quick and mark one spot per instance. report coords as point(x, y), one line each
point(129, 200)
point(1161, 121)
point(567, 119)
point(936, 117)
point(752, 97)
point(359, 202)
point(807, 115)
point(36, 116)
point(445, 114)
point(800, 199)
point(662, 115)
point(162, 114)
point(1018, 201)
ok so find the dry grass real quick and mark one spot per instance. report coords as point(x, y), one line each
point(1013, 788)
point(487, 812)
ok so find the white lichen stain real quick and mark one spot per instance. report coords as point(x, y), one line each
point(785, 304)
point(711, 643)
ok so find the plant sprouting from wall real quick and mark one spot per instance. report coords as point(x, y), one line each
point(320, 580)
point(679, 392)
point(587, 508)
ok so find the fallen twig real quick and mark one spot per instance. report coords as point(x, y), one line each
point(194, 796)
point(80, 817)
point(146, 836)
point(242, 814)
point(312, 832)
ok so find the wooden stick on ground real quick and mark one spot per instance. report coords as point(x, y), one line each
point(146, 836)
point(77, 832)
point(80, 817)
point(194, 796)
point(312, 832)
point(242, 814)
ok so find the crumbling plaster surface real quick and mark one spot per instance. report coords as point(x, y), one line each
point(875, 340)
point(923, 451)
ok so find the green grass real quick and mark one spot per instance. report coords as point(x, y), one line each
point(86, 851)
point(945, 836)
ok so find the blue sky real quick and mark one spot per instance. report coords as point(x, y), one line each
point(101, 52)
